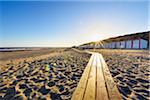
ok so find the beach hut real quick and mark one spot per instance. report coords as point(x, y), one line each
point(143, 44)
point(118, 45)
point(122, 44)
point(129, 41)
point(113, 45)
point(136, 44)
point(108, 45)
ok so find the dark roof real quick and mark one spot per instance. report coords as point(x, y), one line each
point(141, 35)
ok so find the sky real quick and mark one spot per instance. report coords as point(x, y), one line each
point(69, 23)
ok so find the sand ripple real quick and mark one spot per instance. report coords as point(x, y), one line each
point(55, 77)
point(130, 70)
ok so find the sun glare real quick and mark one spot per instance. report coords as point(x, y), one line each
point(97, 37)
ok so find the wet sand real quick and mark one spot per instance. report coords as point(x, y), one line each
point(52, 76)
point(130, 70)
point(30, 52)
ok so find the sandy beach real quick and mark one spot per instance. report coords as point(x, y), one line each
point(54, 74)
point(50, 75)
point(130, 70)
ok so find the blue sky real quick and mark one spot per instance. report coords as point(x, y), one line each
point(64, 23)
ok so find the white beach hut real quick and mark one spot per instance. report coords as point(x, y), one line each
point(117, 44)
point(136, 44)
point(128, 44)
point(143, 44)
point(113, 44)
point(109, 45)
point(122, 44)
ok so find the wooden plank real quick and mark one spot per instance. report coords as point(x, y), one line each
point(101, 90)
point(112, 89)
point(96, 82)
point(91, 86)
point(80, 90)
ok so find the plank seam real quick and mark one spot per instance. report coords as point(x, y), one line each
point(105, 78)
point(88, 77)
point(96, 80)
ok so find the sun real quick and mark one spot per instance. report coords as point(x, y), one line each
point(97, 37)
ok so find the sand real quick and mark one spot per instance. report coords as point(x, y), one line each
point(32, 52)
point(52, 76)
point(55, 75)
point(130, 70)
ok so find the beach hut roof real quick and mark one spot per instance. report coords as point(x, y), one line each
point(141, 35)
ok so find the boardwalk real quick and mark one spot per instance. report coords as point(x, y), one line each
point(96, 82)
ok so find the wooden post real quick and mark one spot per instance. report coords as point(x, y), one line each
point(120, 44)
point(115, 45)
point(132, 44)
point(148, 44)
point(139, 43)
point(125, 44)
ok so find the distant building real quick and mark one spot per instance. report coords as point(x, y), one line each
point(131, 41)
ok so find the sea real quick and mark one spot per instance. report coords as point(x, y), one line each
point(10, 49)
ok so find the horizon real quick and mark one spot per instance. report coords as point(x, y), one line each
point(66, 23)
